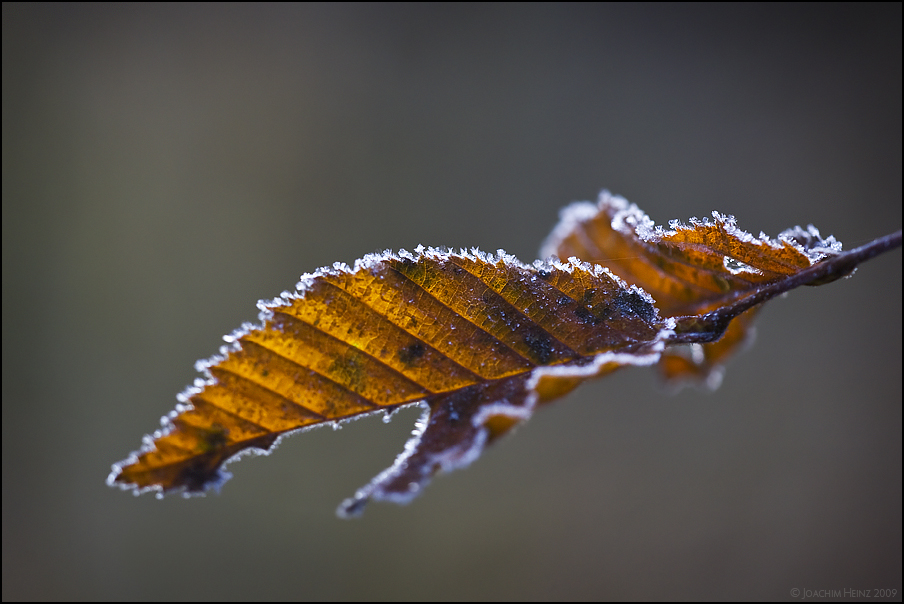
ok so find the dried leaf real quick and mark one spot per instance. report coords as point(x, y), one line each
point(688, 269)
point(479, 340)
point(462, 332)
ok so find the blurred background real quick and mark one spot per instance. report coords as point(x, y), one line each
point(164, 167)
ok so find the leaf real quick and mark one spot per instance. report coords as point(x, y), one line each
point(479, 340)
point(453, 330)
point(687, 269)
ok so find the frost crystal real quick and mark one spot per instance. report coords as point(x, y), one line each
point(736, 267)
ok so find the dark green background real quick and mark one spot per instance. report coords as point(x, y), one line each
point(166, 166)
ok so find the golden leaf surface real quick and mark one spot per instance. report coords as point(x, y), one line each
point(435, 327)
point(479, 340)
point(688, 269)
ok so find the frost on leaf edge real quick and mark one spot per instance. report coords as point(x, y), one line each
point(631, 221)
point(369, 262)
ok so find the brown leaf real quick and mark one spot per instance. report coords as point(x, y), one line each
point(479, 340)
point(688, 269)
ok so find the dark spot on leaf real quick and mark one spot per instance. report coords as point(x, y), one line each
point(632, 303)
point(541, 347)
point(213, 438)
point(585, 316)
point(198, 473)
point(411, 354)
point(593, 314)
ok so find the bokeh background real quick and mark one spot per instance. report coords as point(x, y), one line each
point(166, 166)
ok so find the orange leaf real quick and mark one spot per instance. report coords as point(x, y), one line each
point(479, 340)
point(467, 334)
point(688, 269)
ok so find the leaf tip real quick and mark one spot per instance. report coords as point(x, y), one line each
point(353, 507)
